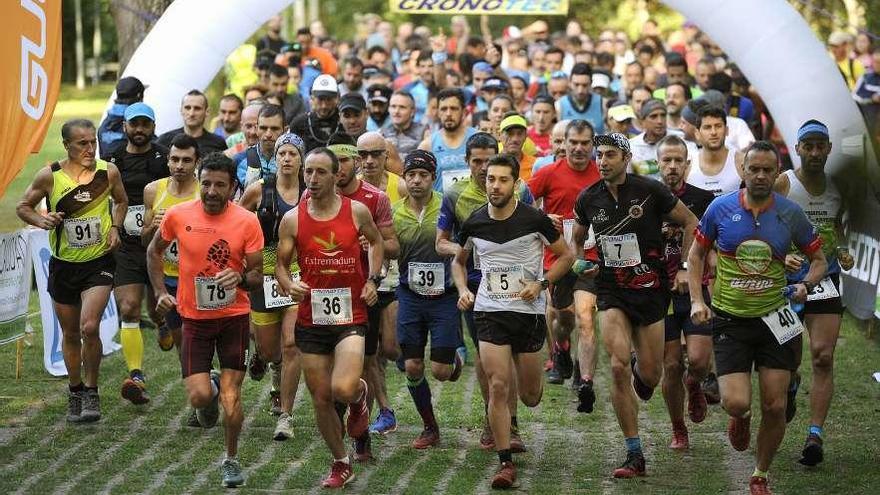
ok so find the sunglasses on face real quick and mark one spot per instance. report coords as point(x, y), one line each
point(371, 153)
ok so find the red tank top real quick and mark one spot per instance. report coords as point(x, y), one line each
point(330, 264)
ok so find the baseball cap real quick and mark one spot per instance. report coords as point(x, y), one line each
point(495, 83)
point(482, 66)
point(139, 109)
point(513, 121)
point(839, 38)
point(713, 97)
point(601, 80)
point(130, 88)
point(813, 128)
point(352, 101)
point(420, 159)
point(378, 92)
point(325, 85)
point(621, 113)
point(615, 139)
point(650, 106)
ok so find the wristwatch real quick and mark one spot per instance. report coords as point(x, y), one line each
point(376, 279)
point(544, 283)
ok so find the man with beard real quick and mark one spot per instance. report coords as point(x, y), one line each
point(353, 78)
point(229, 116)
point(377, 99)
point(717, 168)
point(508, 238)
point(404, 133)
point(140, 162)
point(292, 103)
point(448, 143)
point(755, 326)
point(677, 96)
point(632, 290)
point(581, 102)
point(644, 145)
point(316, 126)
point(194, 110)
point(258, 160)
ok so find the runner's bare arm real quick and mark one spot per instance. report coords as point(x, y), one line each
point(782, 184)
point(285, 253)
point(120, 204)
point(155, 266)
point(564, 259)
point(425, 144)
point(149, 229)
point(250, 199)
point(683, 216)
point(818, 267)
point(845, 258)
point(394, 164)
point(459, 277)
point(443, 245)
point(696, 264)
point(252, 275)
point(367, 228)
point(40, 188)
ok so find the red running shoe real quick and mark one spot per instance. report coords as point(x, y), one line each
point(758, 486)
point(632, 467)
point(697, 405)
point(427, 438)
point(340, 475)
point(135, 392)
point(358, 421)
point(739, 432)
point(505, 477)
point(680, 440)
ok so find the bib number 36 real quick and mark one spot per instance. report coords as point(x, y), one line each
point(331, 306)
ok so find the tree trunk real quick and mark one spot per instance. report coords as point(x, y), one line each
point(133, 20)
point(80, 57)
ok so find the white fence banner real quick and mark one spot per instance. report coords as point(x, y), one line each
point(15, 285)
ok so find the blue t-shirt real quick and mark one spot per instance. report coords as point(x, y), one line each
point(450, 161)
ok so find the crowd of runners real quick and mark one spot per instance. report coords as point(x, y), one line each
point(360, 203)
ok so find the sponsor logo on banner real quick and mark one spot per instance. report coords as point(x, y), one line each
point(34, 81)
point(478, 7)
point(15, 285)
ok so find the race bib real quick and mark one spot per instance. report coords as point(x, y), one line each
point(568, 230)
point(83, 232)
point(171, 254)
point(427, 279)
point(504, 282)
point(271, 297)
point(620, 250)
point(784, 323)
point(450, 177)
point(210, 295)
point(824, 290)
point(331, 306)
point(134, 220)
point(590, 243)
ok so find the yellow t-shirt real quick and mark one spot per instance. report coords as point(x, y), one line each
point(163, 201)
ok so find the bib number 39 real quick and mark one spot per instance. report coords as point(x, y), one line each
point(784, 323)
point(331, 306)
point(211, 295)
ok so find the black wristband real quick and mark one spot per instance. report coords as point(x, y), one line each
point(244, 283)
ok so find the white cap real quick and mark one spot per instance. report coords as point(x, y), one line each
point(325, 84)
point(601, 80)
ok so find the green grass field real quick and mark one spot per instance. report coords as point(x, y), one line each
point(149, 450)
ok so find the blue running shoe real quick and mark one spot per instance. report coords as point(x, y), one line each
point(385, 422)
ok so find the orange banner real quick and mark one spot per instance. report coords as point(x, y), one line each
point(31, 55)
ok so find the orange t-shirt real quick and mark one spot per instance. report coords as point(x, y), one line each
point(206, 245)
point(328, 62)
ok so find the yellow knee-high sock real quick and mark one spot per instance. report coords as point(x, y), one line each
point(132, 344)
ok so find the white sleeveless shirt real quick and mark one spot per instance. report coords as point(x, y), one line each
point(728, 180)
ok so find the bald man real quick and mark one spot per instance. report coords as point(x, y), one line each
point(249, 135)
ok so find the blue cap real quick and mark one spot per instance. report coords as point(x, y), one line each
point(482, 67)
point(813, 128)
point(139, 109)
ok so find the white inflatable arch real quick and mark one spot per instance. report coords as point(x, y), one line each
point(769, 40)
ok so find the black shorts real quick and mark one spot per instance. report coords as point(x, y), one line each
point(562, 291)
point(374, 314)
point(744, 344)
point(831, 306)
point(642, 306)
point(323, 340)
point(229, 336)
point(131, 264)
point(68, 280)
point(679, 320)
point(585, 283)
point(523, 332)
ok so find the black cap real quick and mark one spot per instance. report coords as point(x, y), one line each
point(354, 101)
point(130, 89)
point(379, 92)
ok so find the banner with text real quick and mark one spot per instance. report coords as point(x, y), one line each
point(479, 7)
point(860, 283)
point(53, 359)
point(15, 285)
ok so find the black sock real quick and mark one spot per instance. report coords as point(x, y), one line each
point(505, 456)
point(76, 388)
point(513, 423)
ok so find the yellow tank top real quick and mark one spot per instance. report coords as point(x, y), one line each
point(163, 201)
point(82, 236)
point(391, 189)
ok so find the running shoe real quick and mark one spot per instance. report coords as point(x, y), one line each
point(463, 352)
point(363, 451)
point(758, 486)
point(586, 397)
point(134, 390)
point(643, 391)
point(791, 403)
point(813, 451)
point(739, 432)
point(458, 364)
point(209, 414)
point(548, 364)
point(633, 466)
point(165, 339)
point(554, 375)
point(427, 438)
point(91, 406)
point(487, 439)
point(680, 439)
point(230, 471)
point(74, 406)
point(697, 406)
point(505, 477)
point(340, 475)
point(564, 362)
point(358, 421)
point(256, 366)
point(385, 422)
point(283, 428)
point(710, 389)
point(517, 446)
point(275, 403)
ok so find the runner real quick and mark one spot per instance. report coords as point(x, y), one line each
point(426, 295)
point(258, 160)
point(673, 160)
point(754, 326)
point(581, 102)
point(632, 287)
point(139, 162)
point(459, 202)
point(323, 231)
point(448, 144)
point(83, 230)
point(717, 168)
point(508, 238)
point(817, 195)
point(272, 315)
